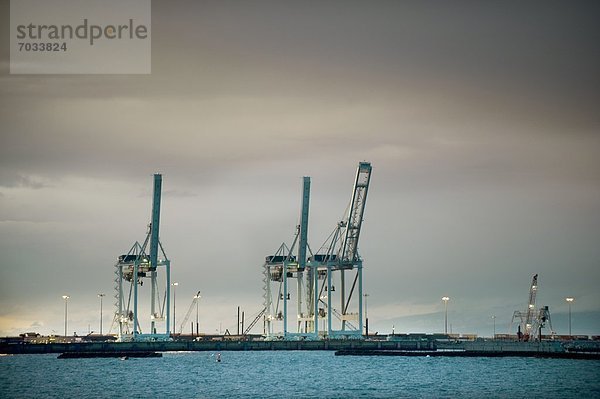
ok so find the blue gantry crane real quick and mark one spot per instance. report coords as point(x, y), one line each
point(280, 271)
point(144, 262)
point(336, 262)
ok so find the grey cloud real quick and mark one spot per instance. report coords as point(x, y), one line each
point(11, 180)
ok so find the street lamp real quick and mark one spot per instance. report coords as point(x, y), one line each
point(446, 299)
point(197, 298)
point(494, 318)
point(101, 295)
point(569, 301)
point(174, 292)
point(366, 317)
point(66, 298)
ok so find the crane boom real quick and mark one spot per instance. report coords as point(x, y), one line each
point(154, 243)
point(531, 305)
point(304, 223)
point(260, 314)
point(349, 251)
point(189, 312)
point(154, 225)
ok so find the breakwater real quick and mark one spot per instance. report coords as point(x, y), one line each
point(229, 345)
point(481, 346)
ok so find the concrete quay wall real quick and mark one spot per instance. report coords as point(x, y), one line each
point(327, 345)
point(216, 346)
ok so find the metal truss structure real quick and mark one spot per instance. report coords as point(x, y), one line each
point(144, 262)
point(531, 321)
point(310, 280)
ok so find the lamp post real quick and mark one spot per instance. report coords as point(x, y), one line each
point(445, 299)
point(174, 292)
point(66, 298)
point(494, 318)
point(197, 298)
point(101, 295)
point(569, 301)
point(366, 317)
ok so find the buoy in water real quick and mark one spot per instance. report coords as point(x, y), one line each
point(218, 357)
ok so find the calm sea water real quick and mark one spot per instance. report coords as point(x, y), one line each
point(296, 374)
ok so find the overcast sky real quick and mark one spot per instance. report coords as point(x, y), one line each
point(481, 121)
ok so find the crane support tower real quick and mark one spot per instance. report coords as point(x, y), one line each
point(337, 262)
point(144, 262)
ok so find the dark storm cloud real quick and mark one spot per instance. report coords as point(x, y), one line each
point(510, 62)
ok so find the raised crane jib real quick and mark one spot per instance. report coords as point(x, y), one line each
point(303, 231)
point(355, 215)
point(189, 312)
point(155, 224)
point(531, 304)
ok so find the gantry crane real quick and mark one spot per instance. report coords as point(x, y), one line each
point(315, 275)
point(340, 258)
point(526, 317)
point(280, 271)
point(143, 261)
point(531, 321)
